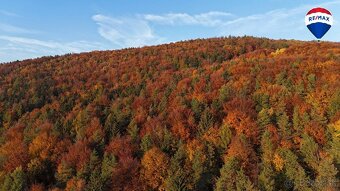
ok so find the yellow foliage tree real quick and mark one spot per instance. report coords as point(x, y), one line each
point(154, 168)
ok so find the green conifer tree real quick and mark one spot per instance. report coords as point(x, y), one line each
point(178, 175)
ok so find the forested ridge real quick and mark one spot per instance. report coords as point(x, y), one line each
point(236, 113)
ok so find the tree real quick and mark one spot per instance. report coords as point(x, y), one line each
point(205, 166)
point(199, 169)
point(125, 175)
point(227, 179)
point(245, 154)
point(309, 149)
point(80, 124)
point(206, 121)
point(284, 125)
point(133, 131)
point(116, 122)
point(267, 174)
point(14, 152)
point(225, 93)
point(226, 135)
point(334, 104)
point(154, 168)
point(334, 142)
point(146, 143)
point(16, 181)
point(263, 118)
point(178, 175)
point(243, 183)
point(296, 120)
point(327, 175)
point(233, 177)
point(109, 162)
point(197, 107)
point(267, 177)
point(111, 126)
point(267, 147)
point(75, 184)
point(243, 125)
point(64, 173)
point(294, 171)
point(74, 162)
point(95, 182)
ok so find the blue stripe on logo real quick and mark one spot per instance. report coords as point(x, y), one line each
point(319, 29)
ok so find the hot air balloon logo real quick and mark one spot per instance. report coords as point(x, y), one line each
point(319, 21)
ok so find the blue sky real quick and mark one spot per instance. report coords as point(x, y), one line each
point(34, 28)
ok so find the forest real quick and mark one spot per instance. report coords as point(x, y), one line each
point(219, 114)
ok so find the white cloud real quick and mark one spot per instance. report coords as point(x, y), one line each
point(209, 19)
point(281, 23)
point(10, 28)
point(137, 31)
point(126, 32)
point(8, 13)
point(14, 48)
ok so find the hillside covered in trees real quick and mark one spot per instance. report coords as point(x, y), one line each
point(209, 114)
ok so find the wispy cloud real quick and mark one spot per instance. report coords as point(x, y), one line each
point(149, 29)
point(126, 32)
point(8, 13)
point(280, 23)
point(208, 19)
point(30, 48)
point(143, 29)
point(137, 31)
point(14, 29)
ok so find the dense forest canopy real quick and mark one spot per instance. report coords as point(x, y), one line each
point(208, 114)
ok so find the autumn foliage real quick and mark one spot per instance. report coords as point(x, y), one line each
point(236, 113)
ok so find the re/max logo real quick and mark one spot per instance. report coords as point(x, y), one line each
point(319, 18)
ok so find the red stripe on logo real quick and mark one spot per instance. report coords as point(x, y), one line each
point(319, 10)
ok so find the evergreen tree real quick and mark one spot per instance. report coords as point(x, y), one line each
point(111, 126)
point(197, 107)
point(233, 178)
point(225, 93)
point(334, 104)
point(294, 171)
point(146, 143)
point(206, 122)
point(95, 182)
point(116, 122)
point(16, 181)
point(327, 175)
point(334, 142)
point(309, 149)
point(65, 172)
point(284, 125)
point(267, 174)
point(226, 135)
point(80, 123)
point(178, 175)
point(243, 183)
point(91, 166)
point(108, 164)
point(198, 170)
point(267, 177)
point(263, 118)
point(205, 166)
point(262, 101)
point(19, 180)
point(227, 179)
point(133, 131)
point(296, 120)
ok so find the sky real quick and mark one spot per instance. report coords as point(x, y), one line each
point(35, 28)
